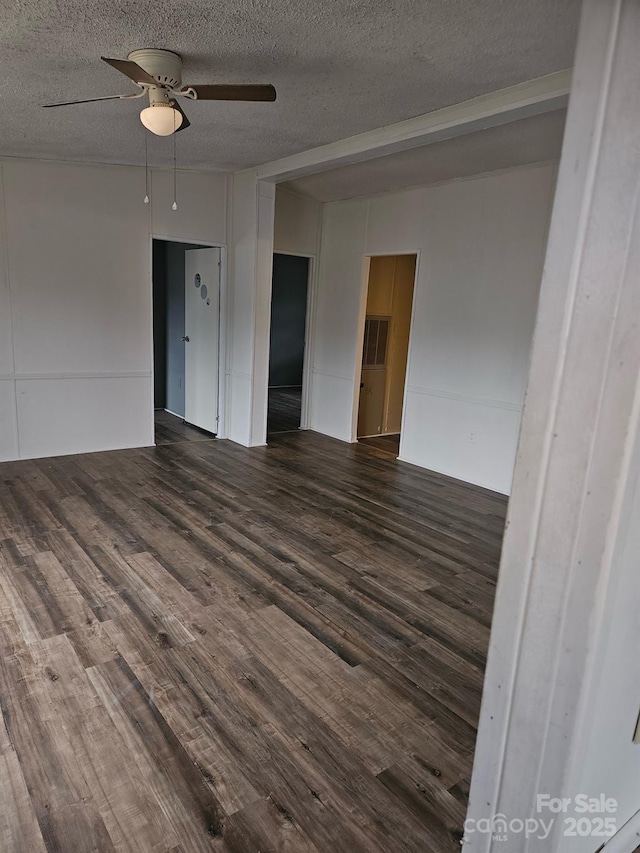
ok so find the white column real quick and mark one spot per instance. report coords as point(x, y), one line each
point(563, 684)
point(252, 215)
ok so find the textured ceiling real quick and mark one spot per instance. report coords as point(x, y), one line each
point(530, 140)
point(340, 66)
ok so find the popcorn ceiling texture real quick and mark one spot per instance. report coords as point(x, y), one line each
point(340, 66)
point(532, 140)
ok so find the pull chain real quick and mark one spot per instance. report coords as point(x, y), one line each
point(146, 170)
point(174, 206)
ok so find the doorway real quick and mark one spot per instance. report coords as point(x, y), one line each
point(385, 350)
point(186, 336)
point(290, 293)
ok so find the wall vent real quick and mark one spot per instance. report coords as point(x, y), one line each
point(376, 335)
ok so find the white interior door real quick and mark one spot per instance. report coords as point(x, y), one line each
point(202, 336)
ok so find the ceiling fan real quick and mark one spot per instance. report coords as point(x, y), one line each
point(158, 73)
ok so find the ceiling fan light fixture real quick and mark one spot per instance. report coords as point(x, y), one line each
point(162, 119)
point(158, 75)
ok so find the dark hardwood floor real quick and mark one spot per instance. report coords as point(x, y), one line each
point(388, 443)
point(204, 647)
point(284, 410)
point(170, 429)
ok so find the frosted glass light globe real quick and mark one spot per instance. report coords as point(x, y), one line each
point(161, 119)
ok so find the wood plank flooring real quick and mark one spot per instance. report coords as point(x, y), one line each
point(209, 648)
point(284, 410)
point(388, 443)
point(170, 429)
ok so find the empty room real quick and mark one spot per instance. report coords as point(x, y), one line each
point(319, 427)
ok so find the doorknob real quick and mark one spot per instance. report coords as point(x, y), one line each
point(186, 338)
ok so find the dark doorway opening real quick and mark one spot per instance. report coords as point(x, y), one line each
point(287, 343)
point(169, 341)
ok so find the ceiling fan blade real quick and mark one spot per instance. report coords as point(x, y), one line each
point(185, 121)
point(131, 70)
point(225, 92)
point(86, 101)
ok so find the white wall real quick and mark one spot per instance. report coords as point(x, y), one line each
point(252, 222)
point(296, 229)
point(607, 758)
point(75, 299)
point(336, 351)
point(481, 246)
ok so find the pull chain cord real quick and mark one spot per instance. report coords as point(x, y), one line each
point(174, 206)
point(146, 170)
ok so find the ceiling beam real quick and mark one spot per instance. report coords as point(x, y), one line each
point(544, 94)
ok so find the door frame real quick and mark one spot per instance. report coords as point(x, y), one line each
point(309, 324)
point(222, 324)
point(357, 374)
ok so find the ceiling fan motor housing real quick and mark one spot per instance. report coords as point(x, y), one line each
point(164, 65)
